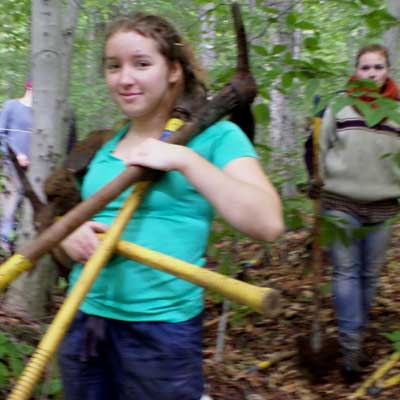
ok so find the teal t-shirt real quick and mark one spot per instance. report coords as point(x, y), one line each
point(173, 219)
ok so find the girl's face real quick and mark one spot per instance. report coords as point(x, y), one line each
point(373, 66)
point(138, 76)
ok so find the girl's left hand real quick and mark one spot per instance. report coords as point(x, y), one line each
point(153, 153)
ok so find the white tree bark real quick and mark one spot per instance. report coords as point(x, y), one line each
point(207, 26)
point(392, 36)
point(281, 129)
point(29, 294)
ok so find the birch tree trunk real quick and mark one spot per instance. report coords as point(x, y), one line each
point(281, 129)
point(29, 294)
point(207, 26)
point(392, 36)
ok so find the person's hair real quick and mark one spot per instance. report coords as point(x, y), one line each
point(170, 44)
point(373, 48)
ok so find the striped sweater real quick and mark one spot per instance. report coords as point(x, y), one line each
point(358, 162)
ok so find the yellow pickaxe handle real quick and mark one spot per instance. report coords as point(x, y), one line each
point(12, 268)
point(55, 333)
point(263, 300)
point(389, 364)
point(390, 382)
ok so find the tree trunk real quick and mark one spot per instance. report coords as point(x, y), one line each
point(67, 36)
point(207, 24)
point(28, 295)
point(391, 37)
point(281, 129)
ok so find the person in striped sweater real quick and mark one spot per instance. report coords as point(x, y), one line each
point(361, 186)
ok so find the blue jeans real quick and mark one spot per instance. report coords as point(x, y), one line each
point(132, 360)
point(356, 267)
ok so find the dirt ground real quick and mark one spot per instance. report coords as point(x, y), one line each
point(251, 338)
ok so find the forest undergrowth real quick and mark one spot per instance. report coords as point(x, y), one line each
point(251, 339)
point(232, 370)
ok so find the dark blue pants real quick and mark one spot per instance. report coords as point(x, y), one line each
point(118, 360)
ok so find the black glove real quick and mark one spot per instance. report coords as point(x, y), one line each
point(315, 188)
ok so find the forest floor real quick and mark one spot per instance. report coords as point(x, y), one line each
point(251, 338)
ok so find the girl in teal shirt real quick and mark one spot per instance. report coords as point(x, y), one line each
point(147, 323)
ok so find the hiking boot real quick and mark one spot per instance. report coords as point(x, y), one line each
point(364, 359)
point(350, 375)
point(351, 369)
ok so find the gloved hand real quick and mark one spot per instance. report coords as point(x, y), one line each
point(314, 188)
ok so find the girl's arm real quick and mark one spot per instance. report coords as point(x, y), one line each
point(241, 193)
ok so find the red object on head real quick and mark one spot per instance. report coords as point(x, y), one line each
point(28, 84)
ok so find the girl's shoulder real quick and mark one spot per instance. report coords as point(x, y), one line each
point(224, 126)
point(222, 142)
point(222, 129)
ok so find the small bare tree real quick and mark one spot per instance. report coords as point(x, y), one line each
point(53, 25)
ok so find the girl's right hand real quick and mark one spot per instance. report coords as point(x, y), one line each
point(82, 243)
point(23, 160)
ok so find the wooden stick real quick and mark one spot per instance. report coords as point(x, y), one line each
point(316, 335)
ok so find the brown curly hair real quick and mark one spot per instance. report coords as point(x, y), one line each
point(170, 44)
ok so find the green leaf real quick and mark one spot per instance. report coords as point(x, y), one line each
point(293, 218)
point(371, 3)
point(394, 115)
point(305, 25)
point(3, 374)
point(363, 84)
point(311, 43)
point(392, 336)
point(380, 18)
point(261, 113)
point(332, 229)
point(54, 387)
point(261, 50)
point(263, 147)
point(291, 19)
point(267, 9)
point(278, 48)
point(375, 116)
point(311, 89)
point(287, 80)
point(340, 102)
point(16, 364)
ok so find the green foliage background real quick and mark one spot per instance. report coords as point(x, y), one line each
point(331, 32)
